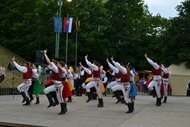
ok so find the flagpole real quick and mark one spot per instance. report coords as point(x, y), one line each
point(56, 41)
point(76, 41)
point(67, 36)
point(60, 3)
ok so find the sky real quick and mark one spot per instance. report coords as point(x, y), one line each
point(166, 8)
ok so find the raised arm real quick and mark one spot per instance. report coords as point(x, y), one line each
point(116, 70)
point(92, 66)
point(47, 59)
point(88, 71)
point(63, 70)
point(151, 62)
point(118, 65)
point(22, 69)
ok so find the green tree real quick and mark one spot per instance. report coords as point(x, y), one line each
point(128, 28)
point(177, 37)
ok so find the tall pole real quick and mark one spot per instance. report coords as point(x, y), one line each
point(56, 42)
point(60, 3)
point(76, 45)
point(67, 37)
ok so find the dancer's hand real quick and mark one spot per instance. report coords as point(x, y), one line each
point(13, 59)
point(45, 51)
point(145, 55)
point(107, 60)
point(86, 57)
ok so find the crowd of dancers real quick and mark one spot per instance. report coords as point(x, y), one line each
point(92, 80)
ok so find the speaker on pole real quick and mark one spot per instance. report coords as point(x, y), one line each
point(39, 57)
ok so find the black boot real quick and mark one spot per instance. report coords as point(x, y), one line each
point(158, 101)
point(117, 95)
point(100, 103)
point(165, 100)
point(53, 94)
point(65, 107)
point(27, 101)
point(31, 97)
point(129, 105)
point(94, 96)
point(69, 99)
point(37, 100)
point(122, 97)
point(89, 96)
point(24, 96)
point(51, 103)
point(154, 92)
point(62, 109)
point(132, 106)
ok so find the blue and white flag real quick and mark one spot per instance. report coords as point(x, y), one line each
point(68, 24)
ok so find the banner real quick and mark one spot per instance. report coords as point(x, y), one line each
point(77, 25)
point(68, 25)
point(57, 24)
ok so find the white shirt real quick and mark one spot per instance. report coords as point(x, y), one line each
point(22, 69)
point(35, 73)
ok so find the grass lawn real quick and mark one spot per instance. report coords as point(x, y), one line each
point(5, 57)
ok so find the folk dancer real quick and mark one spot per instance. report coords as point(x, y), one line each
point(117, 91)
point(165, 82)
point(66, 91)
point(58, 86)
point(133, 91)
point(37, 86)
point(27, 76)
point(86, 76)
point(125, 80)
point(95, 81)
point(70, 81)
point(155, 83)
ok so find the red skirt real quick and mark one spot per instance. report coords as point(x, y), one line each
point(66, 90)
point(162, 88)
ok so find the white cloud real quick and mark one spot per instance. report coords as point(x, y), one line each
point(165, 8)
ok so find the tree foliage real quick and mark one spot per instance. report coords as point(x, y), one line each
point(177, 37)
point(124, 29)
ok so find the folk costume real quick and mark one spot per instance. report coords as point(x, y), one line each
point(58, 86)
point(37, 86)
point(125, 80)
point(86, 77)
point(155, 83)
point(133, 91)
point(27, 76)
point(66, 93)
point(165, 86)
point(96, 74)
point(116, 85)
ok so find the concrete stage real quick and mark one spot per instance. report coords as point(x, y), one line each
point(175, 113)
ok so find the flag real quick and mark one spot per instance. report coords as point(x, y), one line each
point(77, 25)
point(68, 25)
point(57, 24)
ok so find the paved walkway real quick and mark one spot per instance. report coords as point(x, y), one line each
point(175, 113)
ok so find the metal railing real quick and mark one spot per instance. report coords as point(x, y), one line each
point(8, 91)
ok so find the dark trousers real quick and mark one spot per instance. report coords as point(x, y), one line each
point(78, 87)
